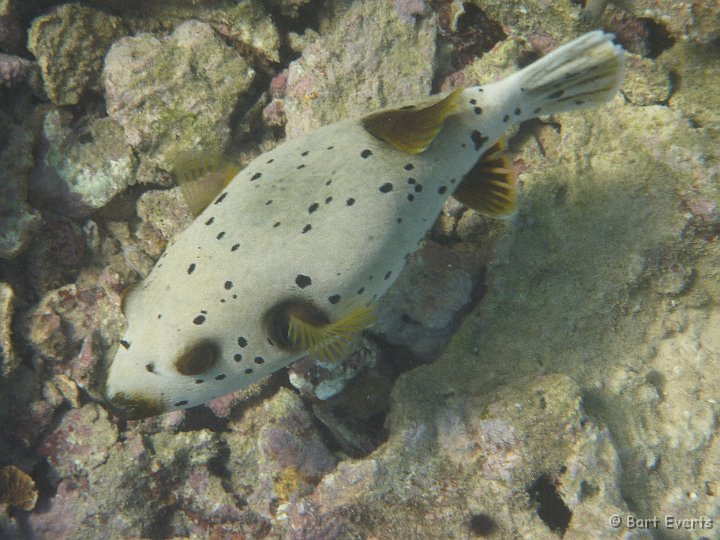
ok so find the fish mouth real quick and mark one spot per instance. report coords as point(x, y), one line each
point(134, 406)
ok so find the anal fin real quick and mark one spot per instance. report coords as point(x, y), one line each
point(490, 187)
point(412, 128)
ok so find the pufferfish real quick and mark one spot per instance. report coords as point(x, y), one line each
point(293, 253)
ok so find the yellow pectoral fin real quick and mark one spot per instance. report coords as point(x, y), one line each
point(328, 341)
point(201, 176)
point(413, 128)
point(491, 185)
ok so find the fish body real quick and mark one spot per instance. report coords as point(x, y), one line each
point(294, 252)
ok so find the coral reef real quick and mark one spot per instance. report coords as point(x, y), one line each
point(525, 378)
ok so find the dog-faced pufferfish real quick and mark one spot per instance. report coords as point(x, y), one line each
point(292, 254)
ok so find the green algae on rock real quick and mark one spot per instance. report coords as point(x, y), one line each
point(337, 76)
point(70, 44)
point(174, 94)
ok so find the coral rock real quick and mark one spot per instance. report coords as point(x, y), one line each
point(17, 489)
point(337, 76)
point(80, 170)
point(175, 93)
point(8, 359)
point(12, 69)
point(70, 44)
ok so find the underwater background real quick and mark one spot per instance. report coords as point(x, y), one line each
point(554, 375)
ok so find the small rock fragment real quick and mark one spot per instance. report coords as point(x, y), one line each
point(17, 489)
point(8, 359)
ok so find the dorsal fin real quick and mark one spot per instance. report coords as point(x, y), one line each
point(201, 176)
point(412, 128)
point(491, 185)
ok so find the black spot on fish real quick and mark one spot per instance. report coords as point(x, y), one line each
point(506, 118)
point(328, 182)
point(220, 235)
point(410, 197)
point(180, 403)
point(387, 276)
point(473, 101)
point(222, 300)
point(478, 139)
point(453, 180)
point(159, 316)
point(276, 224)
point(248, 371)
point(365, 154)
point(191, 268)
point(228, 285)
point(350, 201)
point(220, 377)
point(234, 296)
point(399, 220)
point(306, 228)
point(199, 381)
point(302, 281)
point(305, 153)
point(302, 166)
point(259, 360)
point(518, 111)
point(242, 342)
point(387, 187)
point(478, 110)
point(235, 247)
point(210, 221)
point(269, 161)
point(124, 344)
point(328, 200)
point(199, 320)
point(418, 188)
point(150, 367)
point(221, 198)
point(237, 357)
point(314, 206)
point(361, 290)
point(255, 176)
point(268, 202)
point(334, 299)
point(329, 148)
point(409, 167)
point(556, 95)
point(442, 190)
point(411, 181)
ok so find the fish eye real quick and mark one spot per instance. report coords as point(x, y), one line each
point(198, 358)
point(277, 321)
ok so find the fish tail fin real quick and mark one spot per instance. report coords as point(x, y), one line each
point(583, 73)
